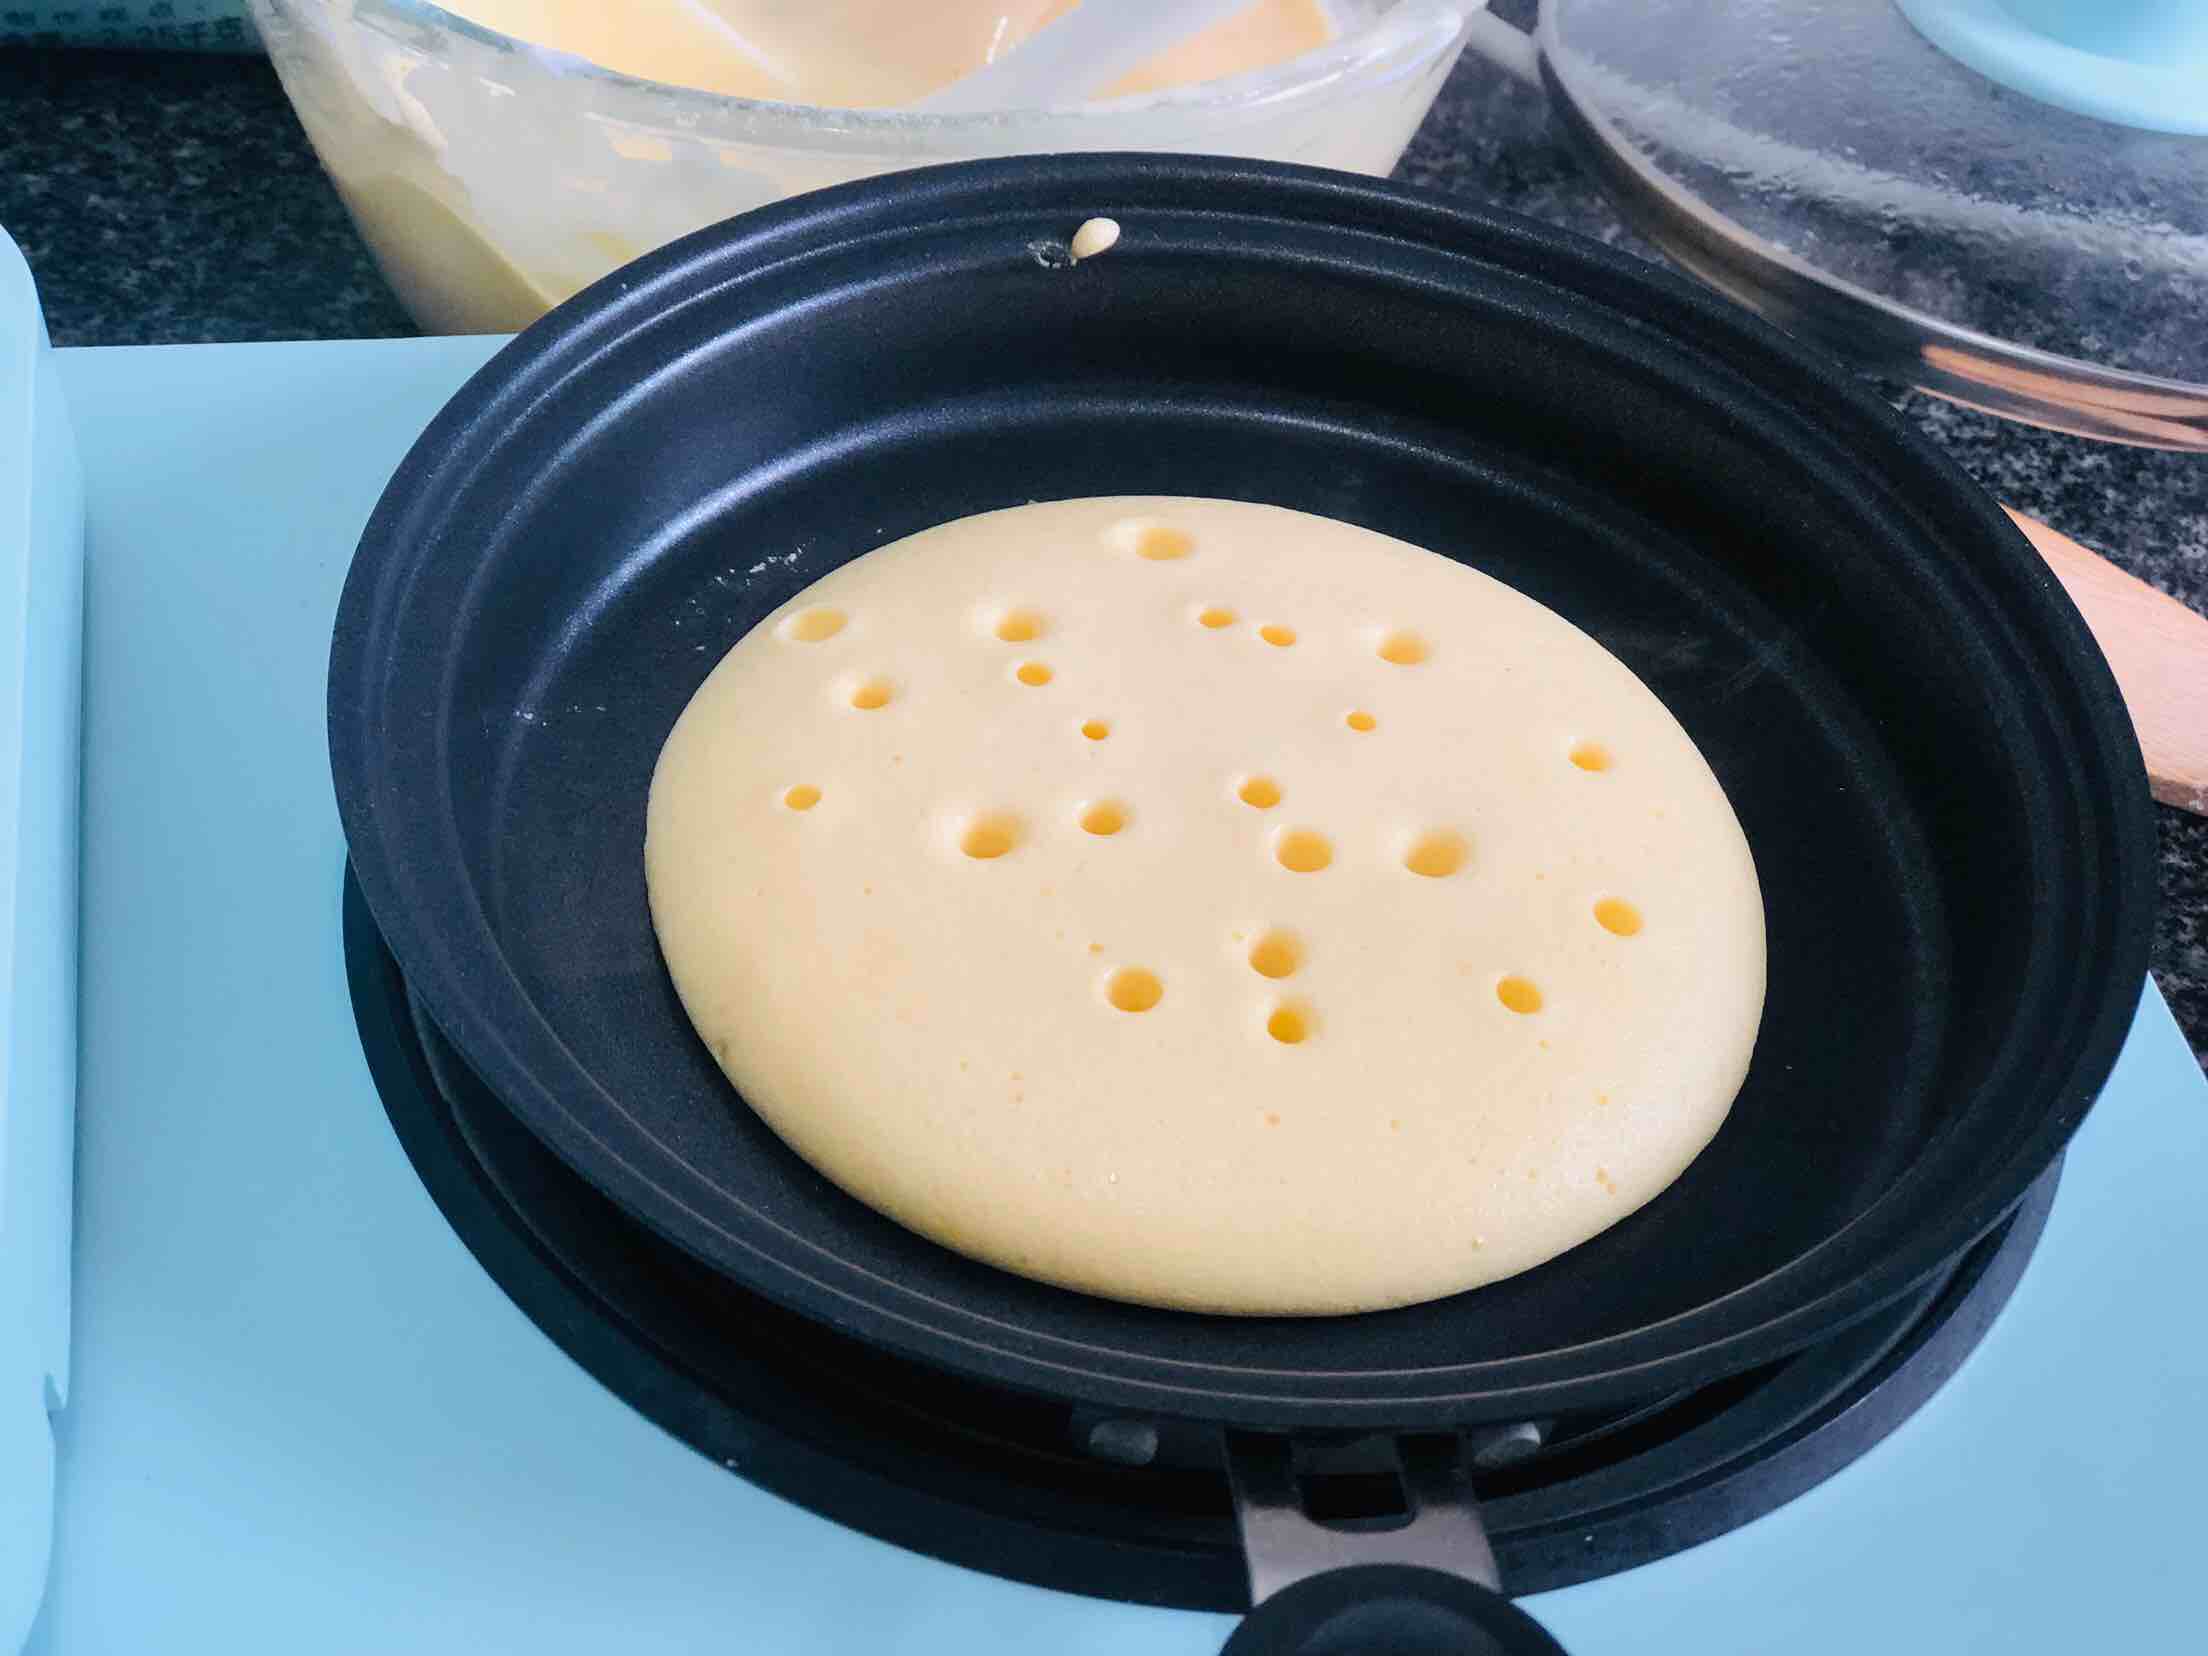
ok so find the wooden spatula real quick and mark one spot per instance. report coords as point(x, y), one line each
point(2159, 650)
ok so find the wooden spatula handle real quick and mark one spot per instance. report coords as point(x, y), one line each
point(2159, 650)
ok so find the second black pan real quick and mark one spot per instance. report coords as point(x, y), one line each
point(1929, 757)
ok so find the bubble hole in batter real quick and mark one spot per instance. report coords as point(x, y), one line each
point(811, 626)
point(991, 835)
point(1134, 989)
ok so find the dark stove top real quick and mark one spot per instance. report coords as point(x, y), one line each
point(1059, 1495)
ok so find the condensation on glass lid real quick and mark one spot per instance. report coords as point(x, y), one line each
point(1832, 166)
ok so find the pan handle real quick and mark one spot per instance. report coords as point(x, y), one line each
point(1426, 1587)
point(1389, 1610)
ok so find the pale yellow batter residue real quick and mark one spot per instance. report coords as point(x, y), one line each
point(1098, 235)
point(1302, 1013)
point(864, 54)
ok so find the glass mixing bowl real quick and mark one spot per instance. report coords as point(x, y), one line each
point(492, 178)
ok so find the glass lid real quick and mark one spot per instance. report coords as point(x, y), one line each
point(1833, 167)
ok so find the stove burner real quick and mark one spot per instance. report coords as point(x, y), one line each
point(1069, 1497)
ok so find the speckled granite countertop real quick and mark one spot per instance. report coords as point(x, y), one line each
point(172, 198)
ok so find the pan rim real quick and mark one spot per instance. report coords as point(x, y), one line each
point(494, 1023)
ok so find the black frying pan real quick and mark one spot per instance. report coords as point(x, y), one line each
point(1930, 759)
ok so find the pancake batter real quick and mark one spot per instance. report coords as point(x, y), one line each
point(1207, 905)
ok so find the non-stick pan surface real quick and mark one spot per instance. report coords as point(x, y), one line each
point(1943, 796)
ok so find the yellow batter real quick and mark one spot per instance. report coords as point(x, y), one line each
point(859, 54)
point(1207, 905)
